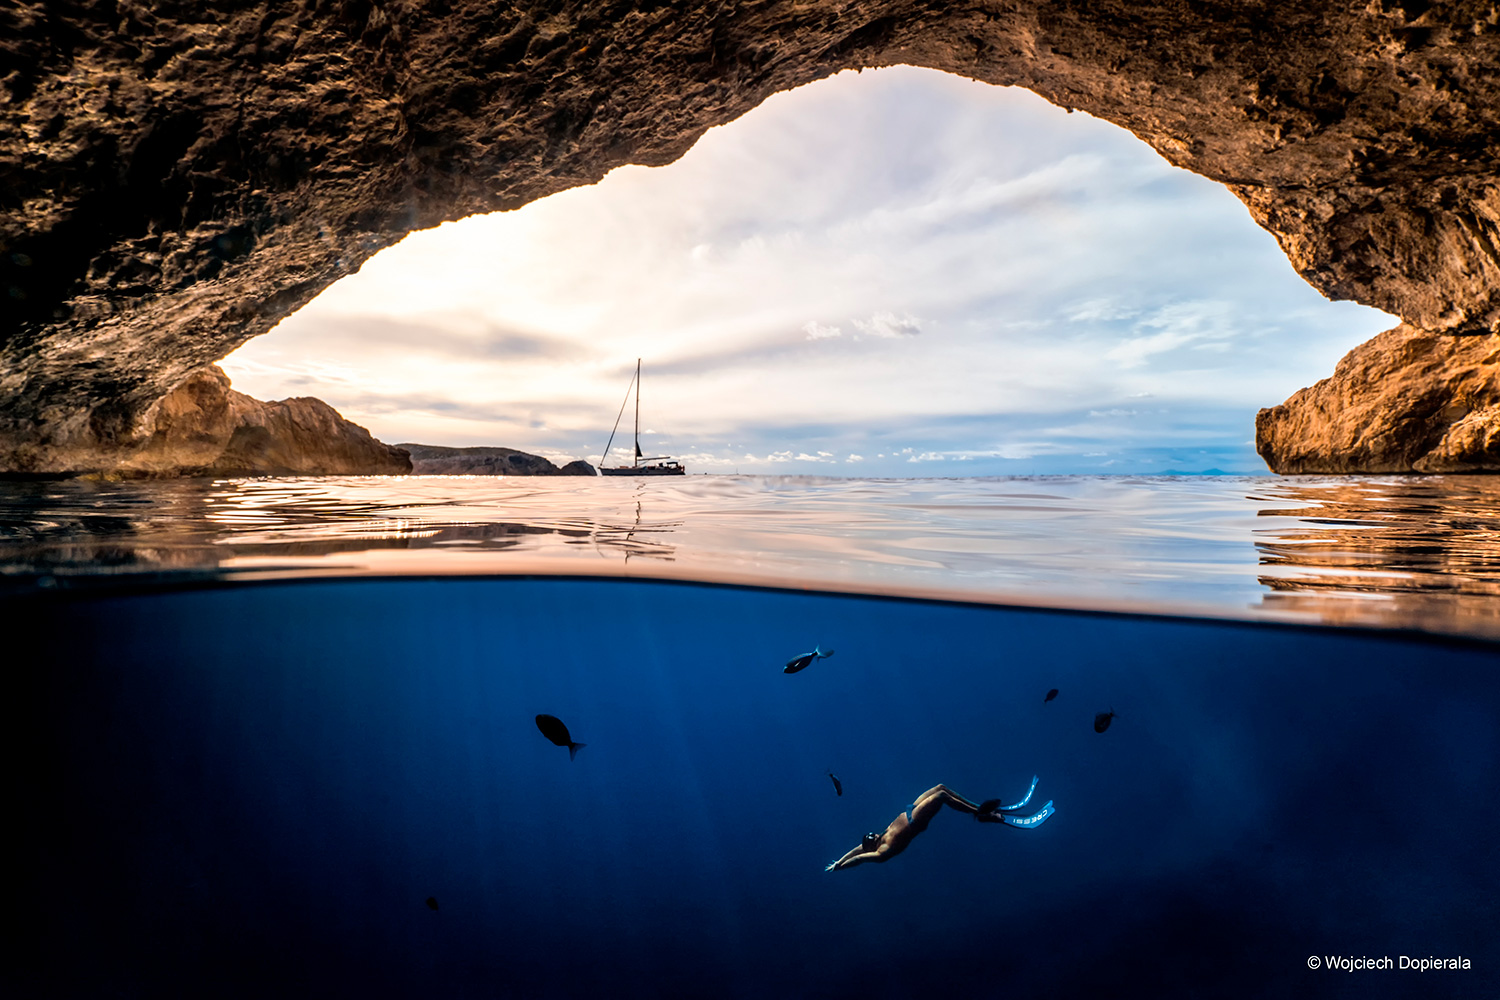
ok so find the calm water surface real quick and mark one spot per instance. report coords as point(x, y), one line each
point(1394, 552)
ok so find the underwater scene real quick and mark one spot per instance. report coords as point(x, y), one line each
point(256, 756)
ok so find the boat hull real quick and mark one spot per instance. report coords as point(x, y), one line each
point(645, 470)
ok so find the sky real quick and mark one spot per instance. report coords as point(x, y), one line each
point(883, 274)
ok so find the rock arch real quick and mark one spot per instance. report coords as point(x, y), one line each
point(177, 177)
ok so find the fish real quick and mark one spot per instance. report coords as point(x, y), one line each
point(838, 786)
point(1103, 719)
point(432, 903)
point(801, 662)
point(552, 727)
point(1050, 695)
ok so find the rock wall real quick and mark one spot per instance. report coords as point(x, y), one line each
point(205, 428)
point(1406, 401)
point(176, 177)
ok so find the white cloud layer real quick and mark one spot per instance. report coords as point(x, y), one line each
point(938, 275)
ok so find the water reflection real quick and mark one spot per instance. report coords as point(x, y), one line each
point(82, 529)
point(1398, 552)
point(1423, 548)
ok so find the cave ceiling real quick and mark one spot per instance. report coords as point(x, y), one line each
point(176, 178)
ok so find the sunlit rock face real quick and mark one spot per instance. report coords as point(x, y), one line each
point(1405, 401)
point(205, 428)
point(177, 177)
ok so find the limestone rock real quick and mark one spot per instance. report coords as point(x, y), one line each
point(203, 427)
point(176, 178)
point(1405, 401)
point(436, 460)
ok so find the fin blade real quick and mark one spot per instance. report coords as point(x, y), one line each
point(1033, 821)
point(1022, 804)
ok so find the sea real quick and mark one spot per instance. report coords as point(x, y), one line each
point(281, 736)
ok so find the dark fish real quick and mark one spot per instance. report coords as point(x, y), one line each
point(838, 786)
point(1103, 719)
point(432, 902)
point(1050, 695)
point(552, 727)
point(797, 663)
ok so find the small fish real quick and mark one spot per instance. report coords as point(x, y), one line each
point(1050, 695)
point(432, 903)
point(797, 663)
point(552, 727)
point(838, 786)
point(1103, 719)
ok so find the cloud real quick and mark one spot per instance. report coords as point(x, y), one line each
point(888, 325)
point(1176, 325)
point(1097, 310)
point(942, 456)
point(985, 270)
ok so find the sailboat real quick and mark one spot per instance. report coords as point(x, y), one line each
point(663, 466)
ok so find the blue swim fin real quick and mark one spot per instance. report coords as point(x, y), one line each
point(1022, 803)
point(1033, 821)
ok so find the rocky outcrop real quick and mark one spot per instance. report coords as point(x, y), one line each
point(1406, 401)
point(176, 178)
point(435, 460)
point(205, 428)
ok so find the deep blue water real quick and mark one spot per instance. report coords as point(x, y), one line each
point(252, 789)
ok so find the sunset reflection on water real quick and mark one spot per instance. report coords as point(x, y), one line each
point(1412, 552)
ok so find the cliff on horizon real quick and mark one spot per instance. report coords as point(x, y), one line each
point(437, 460)
point(205, 428)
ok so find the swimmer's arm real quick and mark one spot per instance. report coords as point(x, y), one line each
point(854, 857)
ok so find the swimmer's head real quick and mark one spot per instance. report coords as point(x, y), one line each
point(870, 841)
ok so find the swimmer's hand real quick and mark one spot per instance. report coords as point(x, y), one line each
point(831, 867)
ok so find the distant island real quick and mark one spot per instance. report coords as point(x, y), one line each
point(436, 460)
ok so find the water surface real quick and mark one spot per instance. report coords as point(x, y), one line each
point(1399, 552)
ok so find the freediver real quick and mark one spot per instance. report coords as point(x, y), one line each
point(913, 820)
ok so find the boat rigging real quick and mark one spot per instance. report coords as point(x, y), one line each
point(641, 466)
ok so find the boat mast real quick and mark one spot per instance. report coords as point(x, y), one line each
point(618, 416)
point(637, 412)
